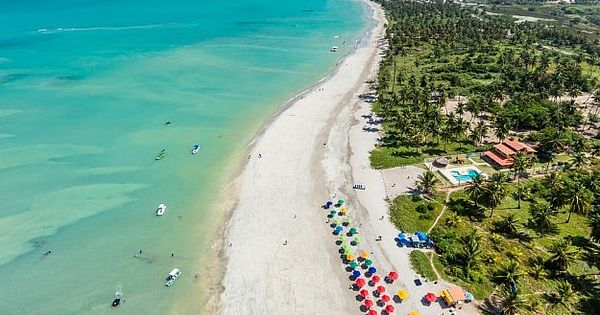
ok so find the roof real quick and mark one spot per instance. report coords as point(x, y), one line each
point(504, 149)
point(518, 146)
point(500, 160)
point(453, 295)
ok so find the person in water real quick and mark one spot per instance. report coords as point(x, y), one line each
point(48, 253)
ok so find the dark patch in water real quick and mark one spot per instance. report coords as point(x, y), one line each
point(308, 10)
point(12, 77)
point(73, 77)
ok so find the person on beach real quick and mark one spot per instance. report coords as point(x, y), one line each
point(285, 242)
point(259, 155)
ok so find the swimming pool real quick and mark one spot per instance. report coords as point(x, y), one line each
point(463, 177)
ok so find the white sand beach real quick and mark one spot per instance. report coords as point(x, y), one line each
point(281, 254)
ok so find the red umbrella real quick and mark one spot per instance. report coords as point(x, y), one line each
point(368, 303)
point(385, 298)
point(364, 293)
point(372, 312)
point(389, 308)
point(360, 282)
point(393, 275)
point(376, 279)
point(430, 297)
point(380, 289)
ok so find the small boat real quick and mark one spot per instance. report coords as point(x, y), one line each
point(196, 148)
point(116, 302)
point(161, 209)
point(118, 294)
point(161, 155)
point(334, 49)
point(173, 275)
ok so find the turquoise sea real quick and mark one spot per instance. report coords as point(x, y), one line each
point(86, 87)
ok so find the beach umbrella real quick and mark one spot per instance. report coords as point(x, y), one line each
point(372, 312)
point(335, 222)
point(353, 264)
point(356, 273)
point(368, 303)
point(393, 275)
point(341, 239)
point(389, 308)
point(380, 289)
point(353, 231)
point(413, 313)
point(340, 202)
point(356, 240)
point(376, 279)
point(332, 213)
point(368, 262)
point(430, 297)
point(364, 255)
point(372, 270)
point(364, 293)
point(402, 294)
point(344, 210)
point(469, 296)
point(347, 221)
point(386, 298)
point(350, 257)
point(360, 282)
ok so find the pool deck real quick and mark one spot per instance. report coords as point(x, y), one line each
point(462, 169)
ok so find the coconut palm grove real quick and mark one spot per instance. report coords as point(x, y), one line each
point(460, 79)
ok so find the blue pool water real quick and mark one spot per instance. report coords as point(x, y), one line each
point(86, 87)
point(471, 173)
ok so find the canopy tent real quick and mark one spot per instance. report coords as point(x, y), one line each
point(402, 294)
point(422, 236)
point(453, 295)
point(430, 297)
point(393, 275)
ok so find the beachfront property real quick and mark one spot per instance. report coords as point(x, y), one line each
point(501, 156)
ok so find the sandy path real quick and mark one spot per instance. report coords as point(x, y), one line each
point(279, 199)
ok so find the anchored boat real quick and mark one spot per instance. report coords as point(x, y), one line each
point(161, 155)
point(161, 209)
point(173, 275)
point(196, 148)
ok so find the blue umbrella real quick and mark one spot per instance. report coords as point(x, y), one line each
point(339, 228)
point(401, 236)
point(469, 297)
point(372, 270)
point(356, 273)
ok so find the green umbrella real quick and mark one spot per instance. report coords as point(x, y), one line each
point(347, 221)
point(335, 222)
point(332, 213)
point(340, 202)
point(368, 262)
point(353, 231)
point(356, 240)
point(341, 239)
point(353, 264)
point(347, 251)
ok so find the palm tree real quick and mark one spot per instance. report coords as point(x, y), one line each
point(579, 160)
point(510, 273)
point(519, 194)
point(541, 217)
point(521, 163)
point(495, 191)
point(595, 226)
point(563, 253)
point(579, 199)
point(477, 189)
point(426, 182)
point(509, 224)
point(471, 249)
point(512, 301)
point(564, 293)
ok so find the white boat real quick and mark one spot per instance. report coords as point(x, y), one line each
point(196, 148)
point(334, 49)
point(173, 275)
point(161, 209)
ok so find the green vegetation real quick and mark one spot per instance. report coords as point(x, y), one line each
point(413, 213)
point(420, 263)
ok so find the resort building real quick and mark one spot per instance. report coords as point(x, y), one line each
point(501, 156)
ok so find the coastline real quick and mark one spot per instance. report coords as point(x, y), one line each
point(363, 60)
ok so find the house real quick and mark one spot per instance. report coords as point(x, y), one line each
point(501, 155)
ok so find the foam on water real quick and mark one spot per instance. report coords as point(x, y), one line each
point(86, 87)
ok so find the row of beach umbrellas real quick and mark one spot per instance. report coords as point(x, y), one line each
point(361, 260)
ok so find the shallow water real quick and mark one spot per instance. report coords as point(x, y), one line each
point(85, 90)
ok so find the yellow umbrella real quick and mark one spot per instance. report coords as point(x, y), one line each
point(364, 255)
point(344, 210)
point(350, 257)
point(413, 313)
point(402, 294)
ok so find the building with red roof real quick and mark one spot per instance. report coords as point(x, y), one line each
point(501, 155)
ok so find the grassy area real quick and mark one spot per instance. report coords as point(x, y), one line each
point(412, 214)
point(420, 263)
point(527, 247)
